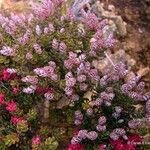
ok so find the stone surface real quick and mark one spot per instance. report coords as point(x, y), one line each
point(64, 101)
point(98, 8)
point(144, 71)
point(119, 56)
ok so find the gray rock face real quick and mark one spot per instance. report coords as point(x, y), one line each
point(120, 56)
point(96, 7)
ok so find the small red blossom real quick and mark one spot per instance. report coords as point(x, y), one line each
point(15, 90)
point(11, 106)
point(134, 138)
point(36, 140)
point(75, 147)
point(118, 144)
point(102, 147)
point(5, 75)
point(129, 147)
point(2, 96)
point(14, 120)
point(50, 90)
point(40, 90)
point(130, 144)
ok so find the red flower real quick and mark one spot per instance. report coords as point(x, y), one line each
point(129, 147)
point(40, 90)
point(2, 96)
point(15, 90)
point(119, 147)
point(14, 119)
point(75, 147)
point(118, 144)
point(11, 106)
point(5, 75)
point(36, 140)
point(102, 147)
point(134, 138)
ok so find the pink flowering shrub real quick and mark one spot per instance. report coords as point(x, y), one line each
point(49, 87)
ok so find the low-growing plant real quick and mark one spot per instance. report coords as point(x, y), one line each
point(50, 91)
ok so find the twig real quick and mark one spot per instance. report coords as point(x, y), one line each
point(107, 56)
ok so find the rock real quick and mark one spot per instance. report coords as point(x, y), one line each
point(143, 71)
point(46, 110)
point(119, 56)
point(129, 76)
point(97, 8)
point(15, 6)
point(118, 21)
point(88, 95)
point(121, 25)
point(146, 138)
point(64, 101)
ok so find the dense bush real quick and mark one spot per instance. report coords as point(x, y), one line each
point(50, 91)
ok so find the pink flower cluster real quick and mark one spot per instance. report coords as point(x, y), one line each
point(46, 8)
point(30, 79)
point(25, 38)
point(135, 123)
point(114, 74)
point(33, 81)
point(78, 117)
point(70, 15)
point(62, 47)
point(49, 95)
point(135, 90)
point(70, 81)
point(72, 61)
point(99, 42)
point(30, 89)
point(7, 51)
point(17, 19)
point(38, 30)
point(90, 20)
point(118, 133)
point(89, 111)
point(8, 25)
point(117, 112)
point(105, 97)
point(47, 71)
point(82, 135)
point(11, 70)
point(37, 48)
point(101, 124)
